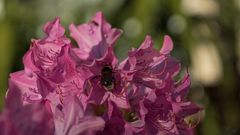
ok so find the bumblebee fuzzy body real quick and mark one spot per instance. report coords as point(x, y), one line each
point(107, 78)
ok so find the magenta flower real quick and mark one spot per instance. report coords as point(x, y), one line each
point(19, 119)
point(71, 119)
point(166, 114)
point(65, 90)
point(155, 98)
point(96, 40)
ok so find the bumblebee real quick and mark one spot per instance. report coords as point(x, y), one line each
point(107, 78)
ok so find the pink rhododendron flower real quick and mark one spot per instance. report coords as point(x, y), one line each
point(19, 119)
point(96, 40)
point(70, 119)
point(66, 90)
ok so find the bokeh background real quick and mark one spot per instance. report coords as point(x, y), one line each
point(206, 36)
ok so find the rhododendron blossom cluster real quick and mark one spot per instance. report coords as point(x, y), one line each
point(84, 90)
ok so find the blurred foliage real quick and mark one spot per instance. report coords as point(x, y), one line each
point(206, 35)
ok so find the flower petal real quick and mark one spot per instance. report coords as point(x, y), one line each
point(167, 45)
point(143, 56)
point(182, 88)
point(95, 37)
point(53, 29)
point(26, 86)
point(26, 120)
point(74, 121)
